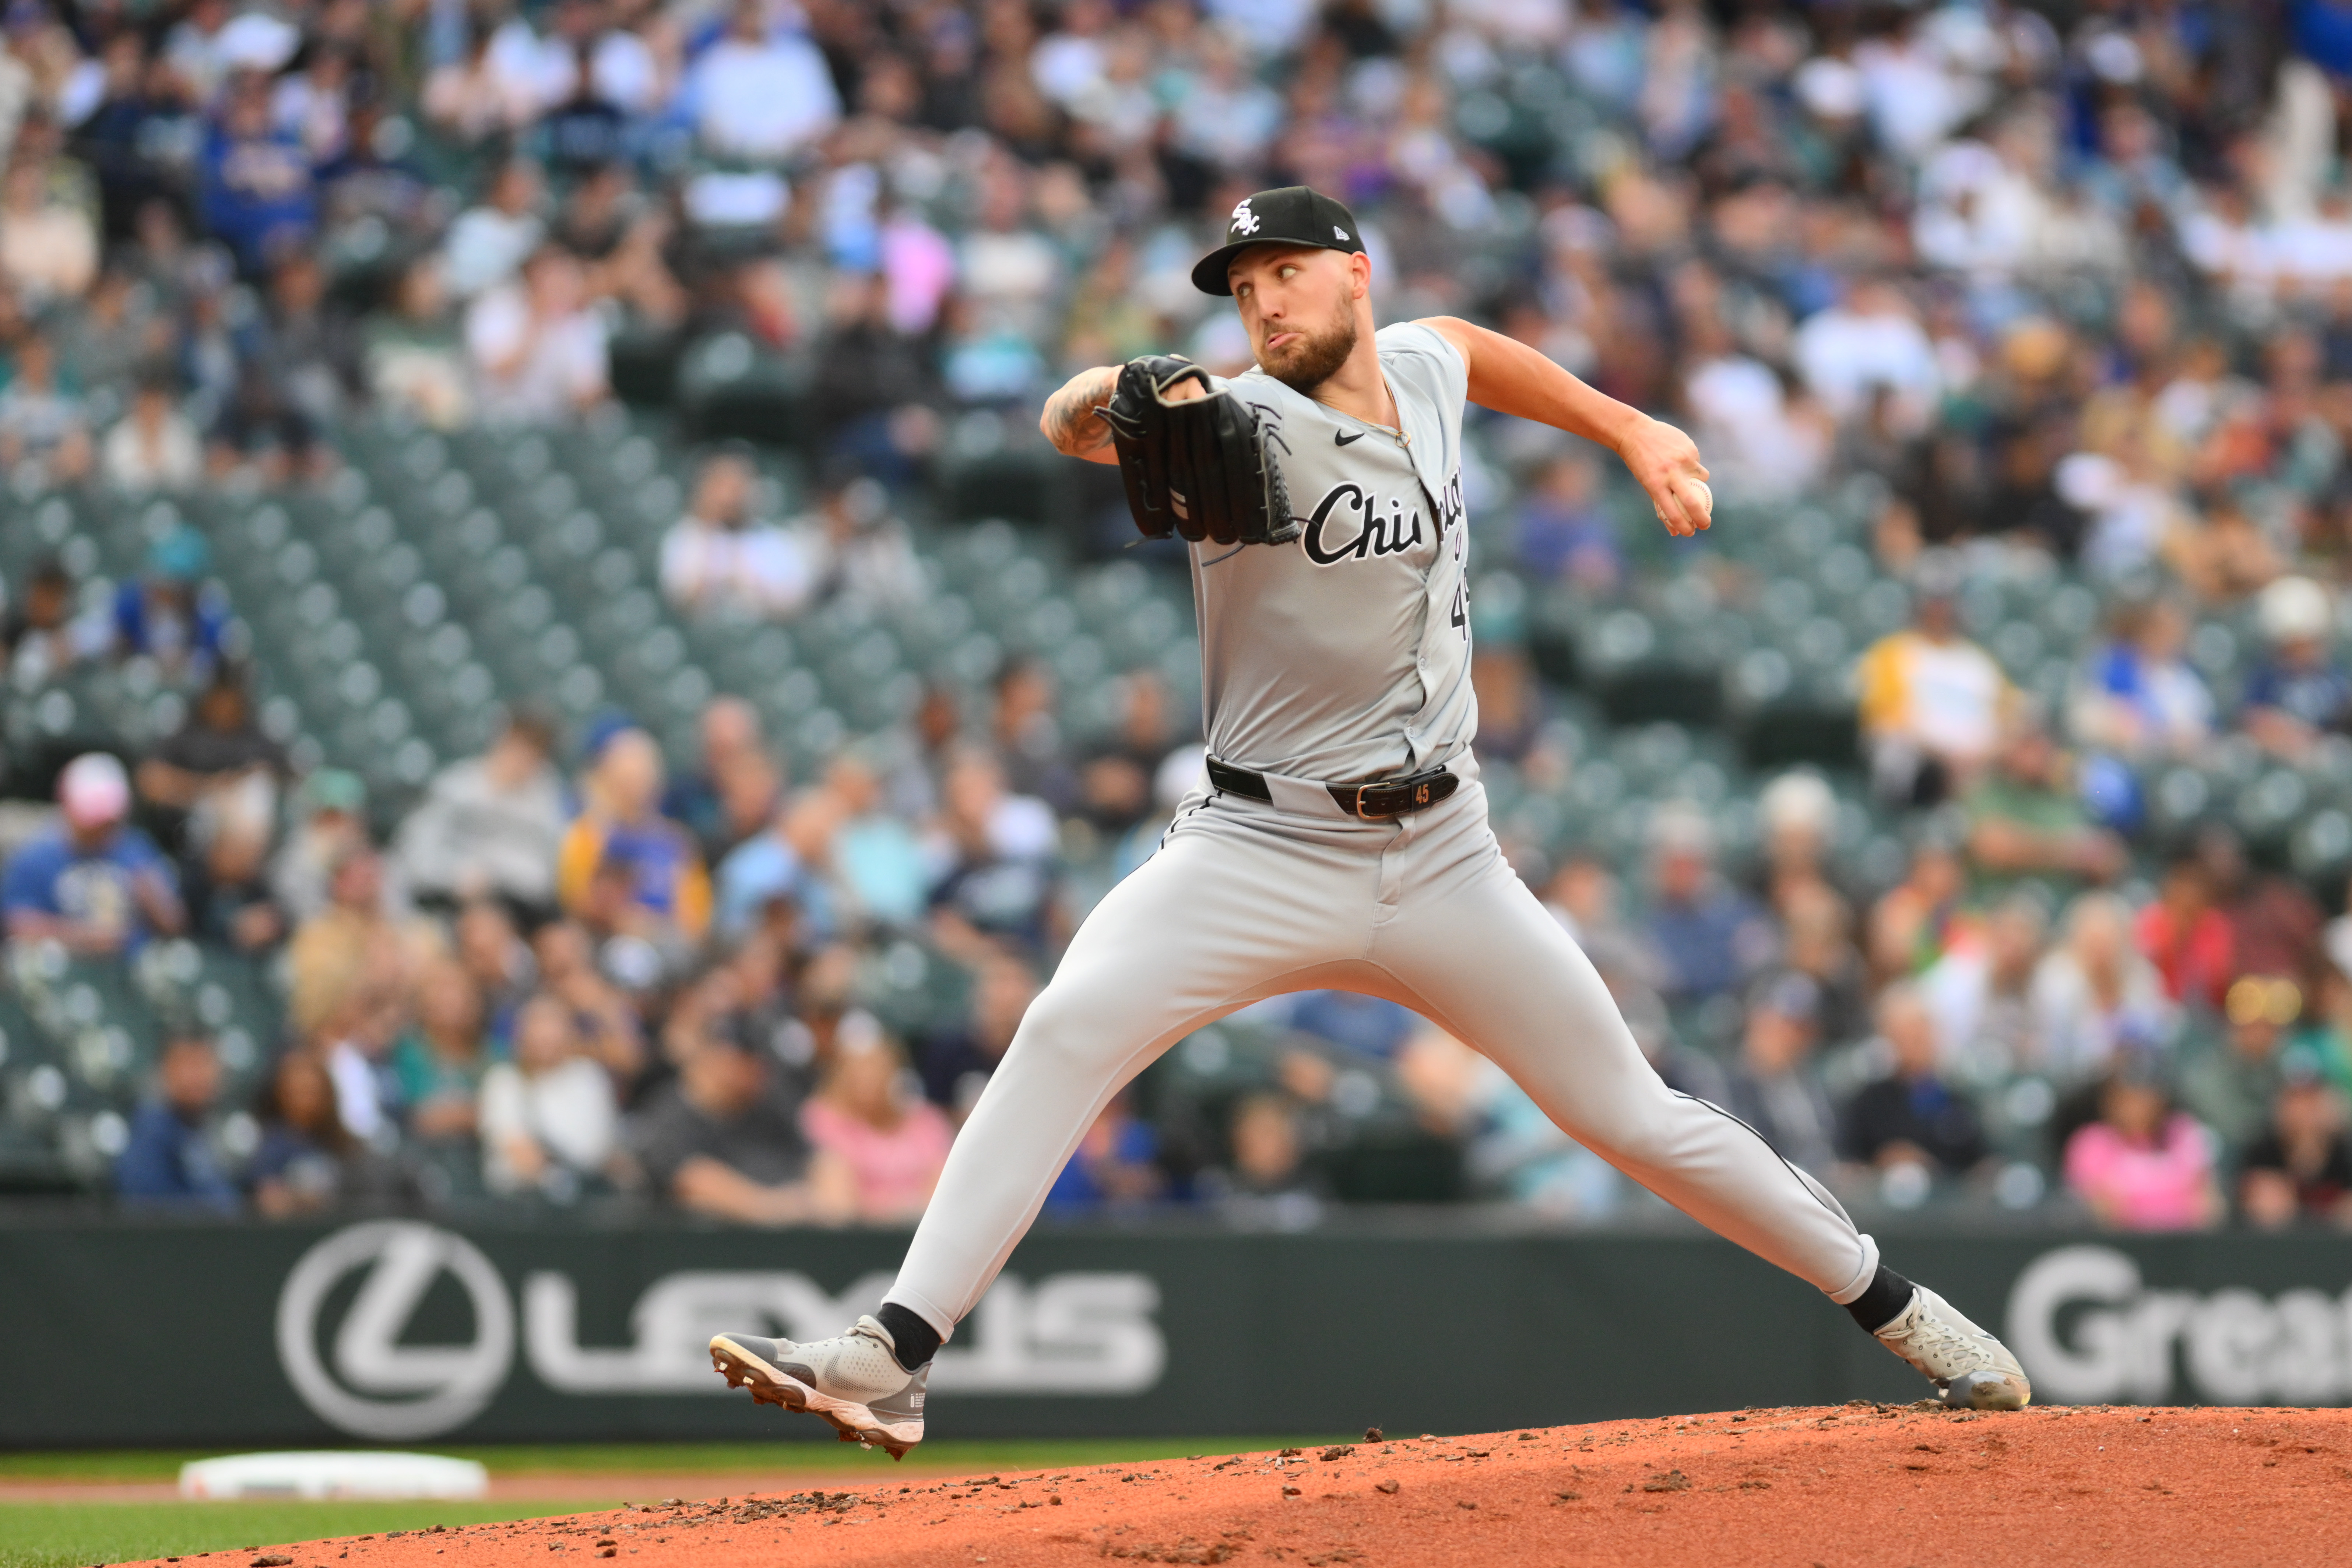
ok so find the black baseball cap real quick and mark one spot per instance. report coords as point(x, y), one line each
point(1292, 214)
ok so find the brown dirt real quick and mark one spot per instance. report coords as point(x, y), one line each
point(1857, 1484)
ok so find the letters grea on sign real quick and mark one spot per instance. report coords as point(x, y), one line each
point(2089, 1331)
point(1066, 1334)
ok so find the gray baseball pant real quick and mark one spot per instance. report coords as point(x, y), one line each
point(1245, 900)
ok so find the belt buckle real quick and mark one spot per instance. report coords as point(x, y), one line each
point(1361, 814)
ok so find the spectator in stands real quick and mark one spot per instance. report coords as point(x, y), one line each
point(2229, 1084)
point(868, 1112)
point(2300, 1166)
point(1911, 1115)
point(1027, 732)
point(44, 430)
point(217, 772)
point(654, 886)
point(1817, 943)
point(997, 883)
point(156, 445)
point(2186, 936)
point(1115, 1165)
point(41, 637)
point(1363, 1025)
point(2144, 1165)
point(857, 550)
point(49, 247)
point(255, 184)
point(439, 1060)
point(1932, 701)
point(217, 778)
point(1797, 817)
point(170, 1161)
point(488, 244)
point(328, 825)
point(1913, 924)
point(548, 1121)
point(1564, 535)
point(2094, 995)
point(1115, 782)
point(499, 962)
point(537, 348)
point(491, 826)
point(412, 353)
point(738, 788)
point(610, 1027)
point(2138, 698)
point(759, 94)
point(328, 949)
point(2026, 825)
point(1979, 991)
point(717, 561)
point(2274, 925)
point(299, 370)
point(2299, 691)
point(1777, 1086)
point(721, 1141)
point(957, 1062)
point(1266, 1181)
point(169, 614)
point(873, 859)
point(1708, 936)
point(304, 1160)
point(92, 882)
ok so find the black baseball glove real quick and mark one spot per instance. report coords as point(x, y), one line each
point(1200, 467)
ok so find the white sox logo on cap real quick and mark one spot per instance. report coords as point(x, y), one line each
point(1244, 220)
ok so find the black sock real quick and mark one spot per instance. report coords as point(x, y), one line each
point(914, 1341)
point(1880, 1305)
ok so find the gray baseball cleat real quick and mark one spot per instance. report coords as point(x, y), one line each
point(1969, 1368)
point(852, 1380)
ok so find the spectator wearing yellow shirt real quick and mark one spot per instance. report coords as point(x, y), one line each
point(1932, 701)
point(624, 868)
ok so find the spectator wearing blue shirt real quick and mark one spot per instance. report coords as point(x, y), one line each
point(168, 614)
point(92, 882)
point(1564, 533)
point(1710, 936)
point(2299, 691)
point(169, 1160)
point(255, 181)
point(1368, 1025)
point(1115, 1164)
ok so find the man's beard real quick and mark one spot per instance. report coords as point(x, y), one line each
point(1314, 359)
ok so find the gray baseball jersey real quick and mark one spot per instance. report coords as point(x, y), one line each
point(1345, 654)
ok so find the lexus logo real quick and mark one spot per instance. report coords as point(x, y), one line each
point(371, 1385)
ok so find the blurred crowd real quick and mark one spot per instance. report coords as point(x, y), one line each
point(2060, 285)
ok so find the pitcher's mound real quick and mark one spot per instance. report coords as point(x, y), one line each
point(1856, 1484)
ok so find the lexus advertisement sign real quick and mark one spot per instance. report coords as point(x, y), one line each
point(400, 1330)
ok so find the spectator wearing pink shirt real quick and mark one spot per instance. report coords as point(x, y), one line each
point(869, 1112)
point(2143, 1164)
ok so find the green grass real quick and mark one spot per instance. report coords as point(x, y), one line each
point(152, 1465)
point(75, 1534)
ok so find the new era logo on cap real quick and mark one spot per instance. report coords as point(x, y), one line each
point(1292, 214)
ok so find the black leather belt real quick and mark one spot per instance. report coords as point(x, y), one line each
point(1372, 800)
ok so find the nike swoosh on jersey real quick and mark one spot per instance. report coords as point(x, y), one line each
point(1340, 438)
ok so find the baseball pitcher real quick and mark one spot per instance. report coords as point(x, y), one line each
point(1341, 839)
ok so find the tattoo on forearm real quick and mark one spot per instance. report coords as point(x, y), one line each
point(1070, 422)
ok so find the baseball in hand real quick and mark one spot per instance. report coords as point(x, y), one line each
point(1705, 498)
